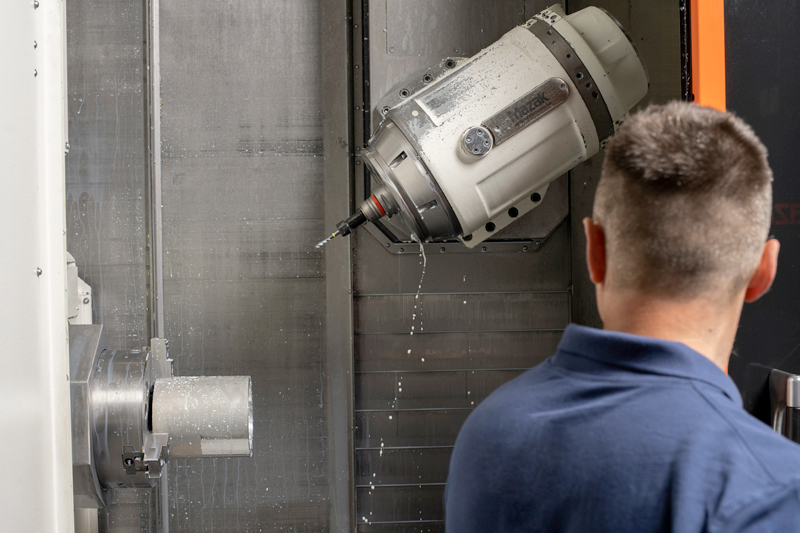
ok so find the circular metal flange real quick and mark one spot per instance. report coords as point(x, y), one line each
point(477, 141)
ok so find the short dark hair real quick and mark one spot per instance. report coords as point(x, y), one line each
point(685, 201)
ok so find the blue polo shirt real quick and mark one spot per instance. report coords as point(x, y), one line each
point(619, 433)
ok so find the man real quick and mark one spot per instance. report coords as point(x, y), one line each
point(637, 427)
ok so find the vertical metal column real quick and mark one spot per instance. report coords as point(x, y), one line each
point(155, 265)
point(338, 175)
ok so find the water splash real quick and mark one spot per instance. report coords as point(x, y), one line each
point(417, 303)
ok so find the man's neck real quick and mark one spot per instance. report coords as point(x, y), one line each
point(707, 327)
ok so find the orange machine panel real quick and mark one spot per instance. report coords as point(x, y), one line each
point(708, 52)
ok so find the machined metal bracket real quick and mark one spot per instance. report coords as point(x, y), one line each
point(162, 364)
point(151, 460)
point(133, 460)
point(156, 453)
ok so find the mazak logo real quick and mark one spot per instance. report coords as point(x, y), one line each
point(525, 109)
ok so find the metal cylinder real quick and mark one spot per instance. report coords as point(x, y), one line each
point(487, 137)
point(120, 383)
point(205, 416)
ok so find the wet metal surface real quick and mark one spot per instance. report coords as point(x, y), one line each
point(105, 164)
point(244, 286)
point(105, 190)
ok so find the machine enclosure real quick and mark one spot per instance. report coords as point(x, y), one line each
point(442, 189)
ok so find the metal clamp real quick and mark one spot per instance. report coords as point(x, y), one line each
point(133, 461)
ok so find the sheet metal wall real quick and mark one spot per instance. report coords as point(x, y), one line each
point(105, 188)
point(486, 317)
point(105, 165)
point(244, 286)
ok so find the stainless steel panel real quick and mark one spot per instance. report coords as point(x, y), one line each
point(446, 351)
point(418, 504)
point(547, 268)
point(380, 466)
point(105, 164)
point(411, 527)
point(446, 27)
point(425, 390)
point(462, 312)
point(105, 188)
point(408, 428)
point(242, 186)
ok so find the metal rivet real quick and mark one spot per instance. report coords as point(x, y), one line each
point(387, 244)
point(442, 249)
point(456, 50)
point(35, 73)
point(66, 147)
point(402, 250)
point(358, 162)
point(538, 243)
point(35, 4)
point(86, 300)
point(483, 249)
point(524, 248)
point(35, 44)
point(391, 50)
point(519, 12)
point(38, 271)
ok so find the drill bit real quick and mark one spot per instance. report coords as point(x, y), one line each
point(324, 242)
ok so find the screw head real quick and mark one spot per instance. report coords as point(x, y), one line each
point(391, 50)
point(86, 300)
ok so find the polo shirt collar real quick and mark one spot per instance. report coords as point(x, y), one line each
point(645, 355)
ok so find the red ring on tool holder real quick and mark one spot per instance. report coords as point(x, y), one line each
point(378, 205)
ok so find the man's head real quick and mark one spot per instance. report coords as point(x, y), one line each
point(683, 205)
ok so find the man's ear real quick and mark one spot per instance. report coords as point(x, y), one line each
point(765, 272)
point(595, 250)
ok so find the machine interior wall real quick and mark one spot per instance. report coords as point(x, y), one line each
point(242, 209)
point(243, 284)
point(105, 189)
point(243, 202)
point(482, 318)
